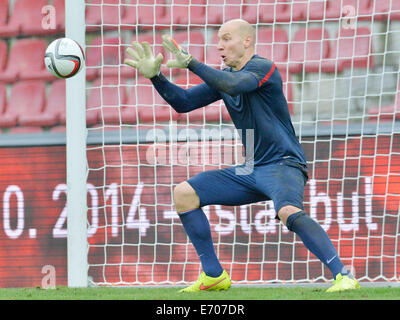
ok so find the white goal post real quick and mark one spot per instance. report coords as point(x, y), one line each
point(76, 155)
point(339, 61)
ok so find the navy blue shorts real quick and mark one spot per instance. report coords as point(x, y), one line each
point(282, 182)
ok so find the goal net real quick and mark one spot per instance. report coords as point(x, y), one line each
point(339, 62)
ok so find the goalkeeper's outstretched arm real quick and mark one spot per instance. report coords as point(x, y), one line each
point(227, 82)
point(184, 100)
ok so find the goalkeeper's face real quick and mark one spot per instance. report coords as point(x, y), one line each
point(235, 44)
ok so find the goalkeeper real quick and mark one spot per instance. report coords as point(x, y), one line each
point(251, 88)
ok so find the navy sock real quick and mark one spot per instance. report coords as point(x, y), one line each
point(317, 241)
point(198, 230)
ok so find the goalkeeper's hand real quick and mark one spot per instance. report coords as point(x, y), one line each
point(182, 58)
point(143, 59)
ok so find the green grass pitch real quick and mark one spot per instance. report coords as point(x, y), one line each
point(171, 293)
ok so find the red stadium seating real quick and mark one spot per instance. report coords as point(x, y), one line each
point(289, 10)
point(29, 16)
point(251, 11)
point(4, 19)
point(6, 30)
point(310, 10)
point(153, 14)
point(219, 11)
point(150, 106)
point(310, 48)
point(6, 118)
point(25, 130)
point(104, 96)
point(178, 13)
point(110, 97)
point(182, 14)
point(36, 114)
point(149, 14)
point(3, 98)
point(107, 13)
point(352, 48)
point(23, 66)
point(316, 51)
point(40, 119)
point(129, 20)
point(214, 12)
point(26, 106)
point(269, 11)
point(256, 11)
point(349, 8)
point(386, 9)
point(272, 43)
point(3, 55)
point(58, 129)
point(59, 6)
point(55, 104)
point(109, 54)
point(26, 19)
point(265, 9)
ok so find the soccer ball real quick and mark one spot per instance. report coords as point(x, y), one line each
point(64, 58)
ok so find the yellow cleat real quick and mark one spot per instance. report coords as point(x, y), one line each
point(206, 283)
point(342, 283)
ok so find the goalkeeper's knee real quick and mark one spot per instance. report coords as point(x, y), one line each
point(287, 211)
point(185, 197)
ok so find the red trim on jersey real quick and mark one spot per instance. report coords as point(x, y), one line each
point(265, 79)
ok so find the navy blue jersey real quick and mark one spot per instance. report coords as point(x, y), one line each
point(265, 110)
point(254, 99)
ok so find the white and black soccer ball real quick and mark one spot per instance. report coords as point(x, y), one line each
point(64, 58)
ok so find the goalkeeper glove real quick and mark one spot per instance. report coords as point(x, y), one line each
point(182, 58)
point(143, 60)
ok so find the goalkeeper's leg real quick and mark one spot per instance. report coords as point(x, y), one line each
point(197, 228)
point(284, 182)
point(313, 236)
point(222, 187)
point(317, 241)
